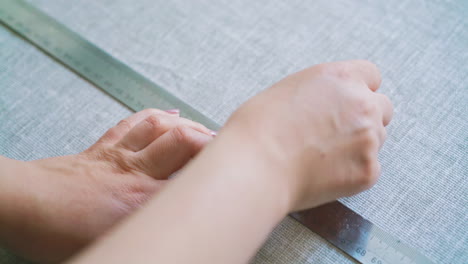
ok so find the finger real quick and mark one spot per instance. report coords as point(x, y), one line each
point(116, 133)
point(359, 70)
point(386, 107)
point(153, 127)
point(382, 134)
point(172, 151)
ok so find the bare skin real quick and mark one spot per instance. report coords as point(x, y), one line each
point(310, 139)
point(53, 207)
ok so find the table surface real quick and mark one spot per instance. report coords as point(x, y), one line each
point(216, 54)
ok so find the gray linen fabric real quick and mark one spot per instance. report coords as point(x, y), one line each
point(216, 54)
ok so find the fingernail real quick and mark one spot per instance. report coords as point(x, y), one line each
point(214, 133)
point(173, 111)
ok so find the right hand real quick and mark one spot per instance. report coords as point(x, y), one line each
point(321, 129)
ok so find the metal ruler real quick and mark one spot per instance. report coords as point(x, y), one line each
point(335, 222)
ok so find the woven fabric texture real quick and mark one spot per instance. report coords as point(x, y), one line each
point(216, 54)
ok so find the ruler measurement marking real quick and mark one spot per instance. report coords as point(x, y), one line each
point(119, 76)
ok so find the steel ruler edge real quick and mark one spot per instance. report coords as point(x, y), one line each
point(335, 222)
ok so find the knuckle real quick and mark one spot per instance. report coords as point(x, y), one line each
point(367, 66)
point(365, 106)
point(368, 140)
point(383, 134)
point(347, 70)
point(182, 134)
point(124, 124)
point(115, 158)
point(153, 122)
point(111, 135)
point(341, 71)
point(370, 172)
point(368, 164)
point(389, 104)
point(386, 99)
point(186, 136)
point(336, 70)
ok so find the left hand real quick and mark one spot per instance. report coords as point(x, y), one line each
point(61, 204)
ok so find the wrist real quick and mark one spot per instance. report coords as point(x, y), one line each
point(263, 163)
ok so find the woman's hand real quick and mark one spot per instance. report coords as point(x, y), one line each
point(56, 206)
point(321, 129)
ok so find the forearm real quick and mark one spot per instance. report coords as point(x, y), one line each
point(11, 197)
point(220, 209)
